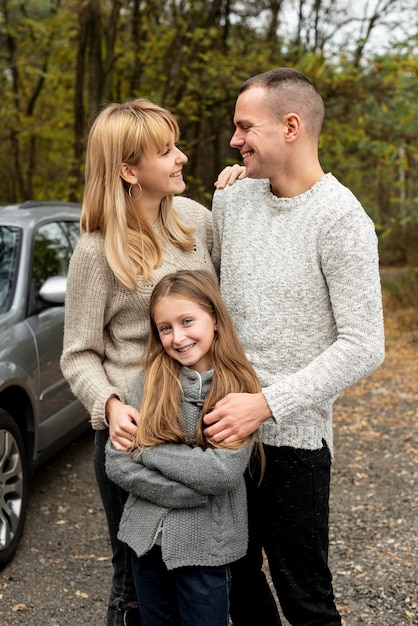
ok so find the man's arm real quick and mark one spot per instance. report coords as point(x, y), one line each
point(350, 265)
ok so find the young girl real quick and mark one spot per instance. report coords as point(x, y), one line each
point(186, 516)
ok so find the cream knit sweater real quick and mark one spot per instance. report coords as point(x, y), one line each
point(106, 327)
point(300, 278)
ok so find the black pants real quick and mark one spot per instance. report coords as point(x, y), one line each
point(288, 517)
point(113, 498)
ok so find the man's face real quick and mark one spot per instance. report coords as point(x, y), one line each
point(259, 134)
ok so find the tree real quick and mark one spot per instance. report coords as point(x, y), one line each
point(60, 60)
point(22, 88)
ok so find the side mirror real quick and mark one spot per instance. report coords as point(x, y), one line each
point(53, 290)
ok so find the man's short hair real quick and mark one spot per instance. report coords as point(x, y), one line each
point(289, 91)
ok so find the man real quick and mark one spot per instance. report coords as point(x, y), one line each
point(298, 266)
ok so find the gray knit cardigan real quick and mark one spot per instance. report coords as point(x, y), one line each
point(198, 496)
point(300, 277)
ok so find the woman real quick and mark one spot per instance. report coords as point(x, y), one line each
point(134, 233)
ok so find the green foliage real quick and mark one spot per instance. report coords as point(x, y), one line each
point(61, 59)
point(369, 138)
point(400, 288)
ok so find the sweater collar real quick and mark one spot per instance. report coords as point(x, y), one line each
point(296, 201)
point(195, 385)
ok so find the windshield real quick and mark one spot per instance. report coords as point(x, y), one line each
point(10, 237)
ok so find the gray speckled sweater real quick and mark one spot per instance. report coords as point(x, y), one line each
point(106, 327)
point(198, 496)
point(300, 278)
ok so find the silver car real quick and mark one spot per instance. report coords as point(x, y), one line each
point(38, 413)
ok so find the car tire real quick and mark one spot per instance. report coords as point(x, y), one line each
point(13, 487)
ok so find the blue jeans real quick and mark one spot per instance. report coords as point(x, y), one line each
point(288, 517)
point(123, 603)
point(185, 596)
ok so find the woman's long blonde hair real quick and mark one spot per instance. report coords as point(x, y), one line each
point(160, 410)
point(123, 133)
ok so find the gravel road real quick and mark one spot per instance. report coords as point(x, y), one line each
point(61, 573)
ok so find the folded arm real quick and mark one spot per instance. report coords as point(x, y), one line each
point(211, 471)
point(149, 484)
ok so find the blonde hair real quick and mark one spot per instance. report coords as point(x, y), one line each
point(124, 133)
point(160, 411)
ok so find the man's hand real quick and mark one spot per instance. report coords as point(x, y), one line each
point(122, 420)
point(229, 175)
point(236, 416)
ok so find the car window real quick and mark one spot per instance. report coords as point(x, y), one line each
point(73, 231)
point(51, 253)
point(10, 238)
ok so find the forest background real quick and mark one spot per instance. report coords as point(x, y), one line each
point(61, 60)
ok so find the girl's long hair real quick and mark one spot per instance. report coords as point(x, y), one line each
point(124, 133)
point(160, 410)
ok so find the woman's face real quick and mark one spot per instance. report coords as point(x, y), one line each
point(159, 172)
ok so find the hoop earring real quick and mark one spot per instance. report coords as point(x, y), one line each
point(130, 192)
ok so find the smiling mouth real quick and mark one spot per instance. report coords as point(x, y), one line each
point(177, 174)
point(186, 348)
point(244, 155)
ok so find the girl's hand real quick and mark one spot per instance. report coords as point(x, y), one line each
point(122, 420)
point(229, 175)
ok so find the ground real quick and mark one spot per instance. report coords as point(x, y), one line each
point(374, 501)
point(61, 573)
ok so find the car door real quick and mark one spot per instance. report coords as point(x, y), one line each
point(58, 411)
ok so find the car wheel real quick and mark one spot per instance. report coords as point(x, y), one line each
point(13, 487)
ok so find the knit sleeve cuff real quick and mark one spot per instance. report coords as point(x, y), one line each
point(98, 417)
point(281, 404)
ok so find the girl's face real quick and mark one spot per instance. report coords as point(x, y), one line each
point(159, 172)
point(186, 331)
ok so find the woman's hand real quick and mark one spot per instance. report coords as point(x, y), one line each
point(229, 175)
point(122, 419)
